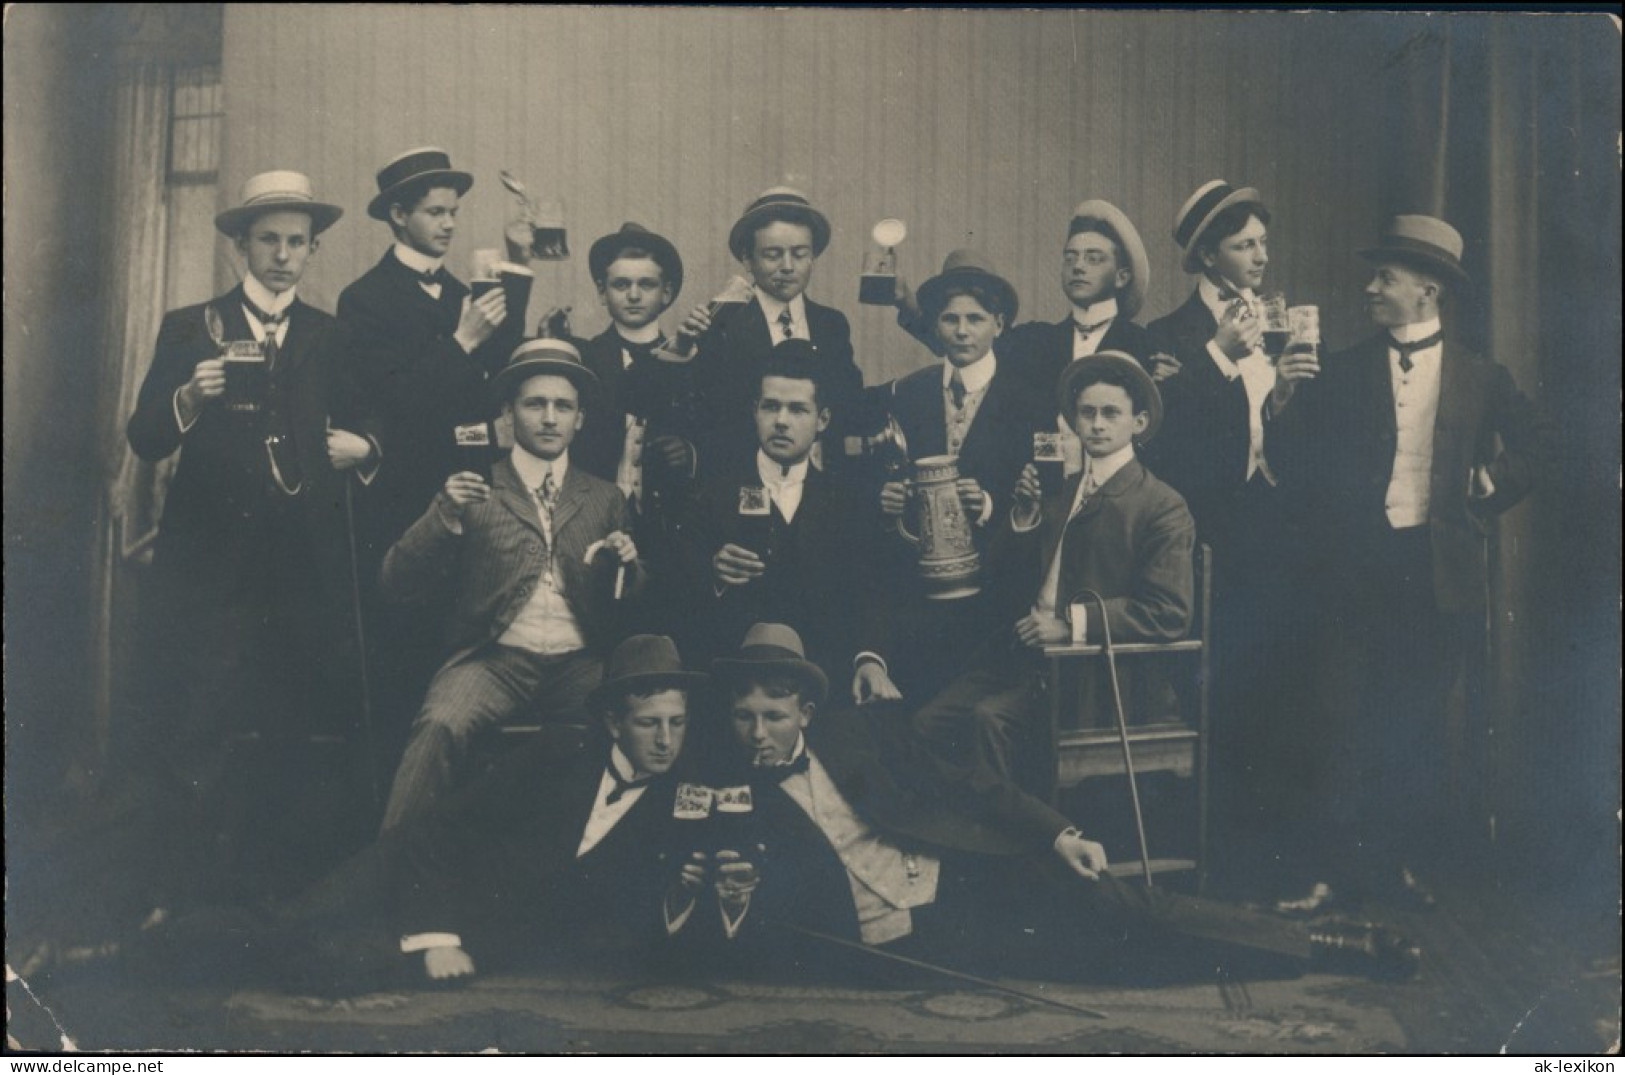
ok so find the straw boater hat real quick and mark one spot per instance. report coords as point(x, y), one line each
point(1199, 211)
point(773, 647)
point(1424, 242)
point(1130, 301)
point(536, 357)
point(642, 664)
point(605, 250)
point(425, 162)
point(1065, 390)
point(777, 203)
point(277, 192)
point(968, 267)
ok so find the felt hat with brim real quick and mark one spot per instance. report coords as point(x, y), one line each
point(277, 192)
point(538, 357)
point(1199, 212)
point(643, 664)
point(1424, 242)
point(1066, 389)
point(967, 267)
point(1132, 298)
point(777, 203)
point(424, 163)
point(773, 648)
point(632, 236)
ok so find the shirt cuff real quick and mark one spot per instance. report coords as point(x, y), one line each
point(870, 655)
point(368, 471)
point(419, 942)
point(452, 525)
point(1226, 364)
point(731, 926)
point(673, 924)
point(175, 405)
point(1038, 519)
point(987, 508)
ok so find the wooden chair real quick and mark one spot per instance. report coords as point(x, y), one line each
point(1177, 746)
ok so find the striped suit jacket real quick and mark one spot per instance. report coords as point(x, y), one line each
point(494, 564)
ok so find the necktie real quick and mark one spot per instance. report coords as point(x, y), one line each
point(432, 277)
point(1090, 330)
point(548, 493)
point(781, 773)
point(623, 786)
point(271, 323)
point(1406, 350)
point(956, 391)
point(786, 322)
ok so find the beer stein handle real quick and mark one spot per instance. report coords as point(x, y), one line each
point(902, 527)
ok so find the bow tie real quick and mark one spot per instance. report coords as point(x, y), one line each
point(1091, 329)
point(431, 278)
point(623, 786)
point(1407, 349)
point(270, 321)
point(781, 773)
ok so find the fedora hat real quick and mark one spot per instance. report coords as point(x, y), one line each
point(543, 355)
point(1423, 241)
point(1130, 301)
point(605, 250)
point(1199, 212)
point(1066, 390)
point(777, 203)
point(425, 162)
point(967, 267)
point(275, 192)
point(773, 647)
point(642, 664)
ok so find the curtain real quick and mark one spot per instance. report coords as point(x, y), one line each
point(133, 489)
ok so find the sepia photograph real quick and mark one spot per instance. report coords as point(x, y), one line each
point(799, 531)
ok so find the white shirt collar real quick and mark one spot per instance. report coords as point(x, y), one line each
point(773, 473)
point(1212, 300)
point(976, 376)
point(415, 260)
point(1106, 468)
point(795, 755)
point(621, 765)
point(533, 468)
point(1095, 312)
point(263, 297)
point(647, 334)
point(772, 307)
point(1416, 330)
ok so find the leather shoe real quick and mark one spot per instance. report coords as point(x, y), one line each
point(1351, 947)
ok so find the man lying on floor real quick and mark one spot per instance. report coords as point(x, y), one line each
point(845, 853)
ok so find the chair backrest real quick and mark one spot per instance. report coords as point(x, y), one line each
point(1202, 618)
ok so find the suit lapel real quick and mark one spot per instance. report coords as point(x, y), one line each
point(295, 346)
point(571, 497)
point(1058, 510)
point(512, 495)
point(1452, 391)
point(1380, 385)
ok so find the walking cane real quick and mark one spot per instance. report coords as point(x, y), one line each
point(369, 745)
point(961, 976)
point(1122, 730)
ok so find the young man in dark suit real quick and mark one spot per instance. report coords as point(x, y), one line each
point(1409, 445)
point(768, 536)
point(845, 845)
point(529, 559)
point(980, 409)
point(251, 628)
point(778, 239)
point(646, 420)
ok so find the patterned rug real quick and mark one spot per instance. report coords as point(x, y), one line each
point(530, 1015)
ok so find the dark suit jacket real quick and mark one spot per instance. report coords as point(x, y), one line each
point(725, 369)
point(1336, 441)
point(1203, 445)
point(498, 867)
point(420, 379)
point(496, 562)
point(819, 578)
point(1040, 350)
point(222, 502)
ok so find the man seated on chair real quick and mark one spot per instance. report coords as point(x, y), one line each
point(845, 851)
point(772, 538)
point(1110, 554)
point(533, 559)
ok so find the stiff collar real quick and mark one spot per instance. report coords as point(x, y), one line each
point(772, 307)
point(1095, 312)
point(1416, 330)
point(418, 262)
point(1106, 468)
point(1217, 304)
point(795, 755)
point(647, 334)
point(266, 299)
point(773, 473)
point(976, 376)
point(533, 468)
point(622, 767)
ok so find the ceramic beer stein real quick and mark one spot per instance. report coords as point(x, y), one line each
point(948, 563)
